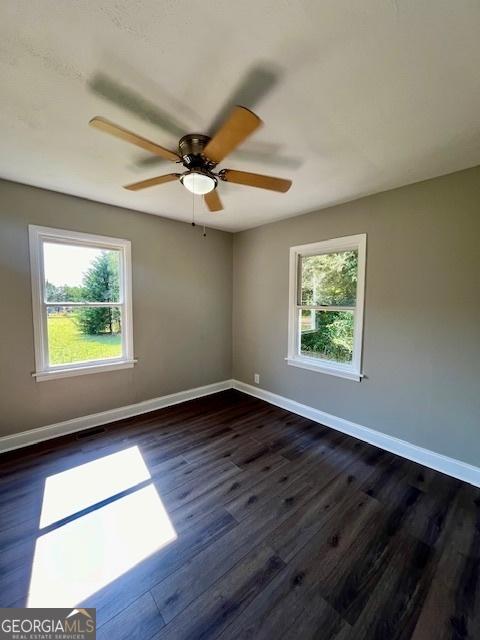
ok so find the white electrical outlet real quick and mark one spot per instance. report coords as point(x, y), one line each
point(256, 378)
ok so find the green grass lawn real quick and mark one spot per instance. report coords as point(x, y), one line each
point(66, 343)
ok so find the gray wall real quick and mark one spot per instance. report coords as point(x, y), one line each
point(182, 305)
point(422, 313)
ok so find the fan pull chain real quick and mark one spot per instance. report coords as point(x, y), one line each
point(193, 209)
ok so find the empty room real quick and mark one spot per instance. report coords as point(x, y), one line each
point(240, 320)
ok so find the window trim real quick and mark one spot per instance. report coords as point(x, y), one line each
point(37, 236)
point(351, 371)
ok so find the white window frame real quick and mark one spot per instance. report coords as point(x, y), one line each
point(43, 370)
point(353, 370)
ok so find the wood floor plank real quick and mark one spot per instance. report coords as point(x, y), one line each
point(217, 607)
point(328, 504)
point(192, 489)
point(318, 623)
point(178, 590)
point(297, 591)
point(429, 521)
point(15, 570)
point(350, 589)
point(452, 606)
point(462, 531)
point(258, 457)
point(219, 495)
point(393, 606)
point(260, 492)
point(138, 621)
point(221, 449)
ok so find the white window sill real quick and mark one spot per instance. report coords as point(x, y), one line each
point(307, 363)
point(67, 372)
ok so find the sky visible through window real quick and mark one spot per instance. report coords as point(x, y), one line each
point(66, 264)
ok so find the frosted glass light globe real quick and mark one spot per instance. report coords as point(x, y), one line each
point(198, 183)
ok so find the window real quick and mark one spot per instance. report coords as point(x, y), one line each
point(82, 309)
point(326, 306)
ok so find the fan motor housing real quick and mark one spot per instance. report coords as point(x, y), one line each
point(191, 149)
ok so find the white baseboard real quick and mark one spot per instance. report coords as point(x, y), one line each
point(439, 462)
point(25, 438)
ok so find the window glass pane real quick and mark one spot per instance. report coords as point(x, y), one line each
point(327, 335)
point(81, 335)
point(329, 279)
point(80, 274)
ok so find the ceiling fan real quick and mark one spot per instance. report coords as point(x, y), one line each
point(200, 155)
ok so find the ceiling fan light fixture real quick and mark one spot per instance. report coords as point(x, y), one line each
point(198, 183)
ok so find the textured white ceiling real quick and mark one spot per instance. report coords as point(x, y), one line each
point(357, 97)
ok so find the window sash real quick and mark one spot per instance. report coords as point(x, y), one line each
point(322, 307)
point(58, 303)
point(80, 363)
point(302, 354)
point(88, 245)
point(299, 279)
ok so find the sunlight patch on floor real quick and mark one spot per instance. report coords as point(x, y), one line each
point(76, 560)
point(75, 489)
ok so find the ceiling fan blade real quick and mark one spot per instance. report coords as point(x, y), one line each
point(212, 200)
point(238, 126)
point(257, 82)
point(119, 132)
point(256, 180)
point(151, 182)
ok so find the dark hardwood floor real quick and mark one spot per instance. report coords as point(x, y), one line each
point(284, 529)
